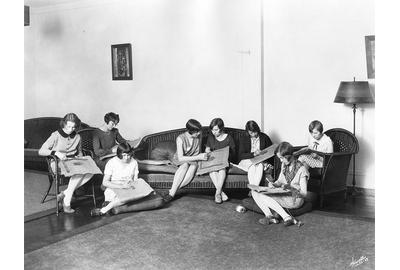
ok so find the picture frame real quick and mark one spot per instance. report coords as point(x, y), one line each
point(370, 53)
point(121, 61)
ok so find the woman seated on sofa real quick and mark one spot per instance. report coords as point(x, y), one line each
point(105, 139)
point(120, 177)
point(187, 154)
point(318, 141)
point(293, 177)
point(250, 146)
point(65, 143)
point(218, 140)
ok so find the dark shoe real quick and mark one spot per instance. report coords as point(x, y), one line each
point(95, 212)
point(289, 222)
point(276, 215)
point(167, 198)
point(268, 220)
point(68, 209)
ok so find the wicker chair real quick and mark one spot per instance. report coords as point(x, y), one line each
point(87, 141)
point(332, 177)
point(60, 180)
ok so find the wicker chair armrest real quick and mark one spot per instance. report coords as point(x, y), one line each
point(334, 154)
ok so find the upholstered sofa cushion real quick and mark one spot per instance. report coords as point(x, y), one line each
point(163, 151)
point(236, 171)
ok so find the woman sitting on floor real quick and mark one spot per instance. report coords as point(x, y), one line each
point(187, 154)
point(318, 141)
point(218, 140)
point(250, 146)
point(293, 176)
point(105, 139)
point(125, 192)
point(65, 143)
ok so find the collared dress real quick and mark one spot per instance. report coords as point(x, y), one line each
point(313, 160)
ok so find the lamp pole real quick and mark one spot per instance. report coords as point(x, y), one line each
point(354, 155)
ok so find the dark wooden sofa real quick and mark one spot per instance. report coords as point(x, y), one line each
point(36, 132)
point(162, 146)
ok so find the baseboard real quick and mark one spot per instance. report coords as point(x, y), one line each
point(362, 191)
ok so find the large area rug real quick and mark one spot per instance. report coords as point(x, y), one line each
point(195, 233)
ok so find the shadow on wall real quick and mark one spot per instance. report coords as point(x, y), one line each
point(52, 29)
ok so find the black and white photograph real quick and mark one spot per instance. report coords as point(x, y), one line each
point(200, 134)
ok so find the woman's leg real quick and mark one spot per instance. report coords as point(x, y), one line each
point(153, 201)
point(74, 182)
point(215, 179)
point(255, 174)
point(178, 178)
point(265, 203)
point(189, 175)
point(114, 203)
point(221, 179)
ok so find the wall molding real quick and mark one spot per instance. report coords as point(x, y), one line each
point(72, 4)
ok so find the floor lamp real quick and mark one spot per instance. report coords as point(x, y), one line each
point(355, 92)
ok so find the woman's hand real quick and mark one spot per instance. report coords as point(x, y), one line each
point(114, 149)
point(204, 156)
point(271, 185)
point(130, 183)
point(60, 155)
point(125, 185)
point(256, 153)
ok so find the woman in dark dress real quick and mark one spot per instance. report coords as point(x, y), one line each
point(106, 139)
point(250, 146)
point(218, 140)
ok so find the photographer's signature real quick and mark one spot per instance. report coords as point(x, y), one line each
point(361, 260)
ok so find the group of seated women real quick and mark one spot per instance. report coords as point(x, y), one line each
point(121, 171)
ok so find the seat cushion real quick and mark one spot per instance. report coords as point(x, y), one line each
point(163, 151)
point(150, 168)
point(236, 171)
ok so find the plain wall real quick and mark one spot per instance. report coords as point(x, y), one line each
point(191, 59)
point(310, 47)
point(201, 59)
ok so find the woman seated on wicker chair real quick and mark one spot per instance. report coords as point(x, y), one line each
point(293, 177)
point(105, 140)
point(65, 143)
point(125, 192)
point(318, 141)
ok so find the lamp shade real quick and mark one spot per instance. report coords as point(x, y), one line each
point(354, 92)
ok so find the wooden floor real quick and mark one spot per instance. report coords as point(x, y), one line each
point(48, 229)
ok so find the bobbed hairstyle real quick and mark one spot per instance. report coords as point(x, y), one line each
point(193, 126)
point(71, 117)
point(316, 125)
point(252, 126)
point(111, 117)
point(217, 122)
point(124, 148)
point(285, 149)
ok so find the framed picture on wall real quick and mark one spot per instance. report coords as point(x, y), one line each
point(370, 52)
point(121, 59)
